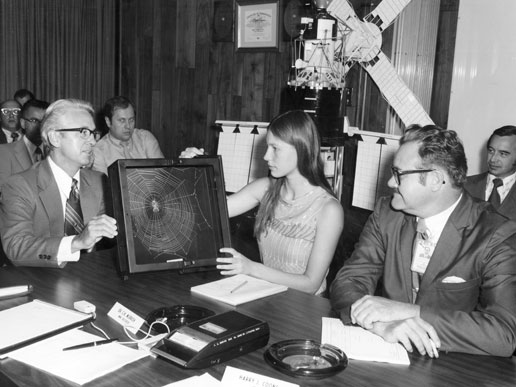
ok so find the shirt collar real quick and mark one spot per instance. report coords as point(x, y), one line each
point(435, 223)
point(63, 180)
point(507, 180)
point(118, 142)
point(30, 145)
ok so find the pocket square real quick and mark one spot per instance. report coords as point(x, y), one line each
point(453, 280)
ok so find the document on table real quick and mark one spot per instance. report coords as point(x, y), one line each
point(81, 365)
point(238, 289)
point(360, 344)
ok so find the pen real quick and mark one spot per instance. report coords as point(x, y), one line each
point(434, 348)
point(15, 291)
point(238, 287)
point(87, 345)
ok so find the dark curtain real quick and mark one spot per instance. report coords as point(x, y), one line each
point(59, 48)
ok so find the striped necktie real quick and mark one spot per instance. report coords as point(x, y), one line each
point(73, 216)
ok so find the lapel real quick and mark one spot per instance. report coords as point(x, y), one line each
point(448, 244)
point(408, 233)
point(3, 139)
point(508, 206)
point(50, 197)
point(21, 153)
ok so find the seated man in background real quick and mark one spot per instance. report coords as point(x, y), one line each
point(55, 209)
point(22, 96)
point(123, 141)
point(10, 119)
point(497, 184)
point(458, 290)
point(20, 155)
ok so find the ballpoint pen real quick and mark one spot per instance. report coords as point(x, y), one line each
point(238, 287)
point(91, 344)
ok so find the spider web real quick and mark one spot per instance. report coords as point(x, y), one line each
point(170, 212)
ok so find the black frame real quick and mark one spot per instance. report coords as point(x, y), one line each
point(215, 198)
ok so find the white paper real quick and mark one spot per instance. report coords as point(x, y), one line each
point(204, 380)
point(360, 344)
point(80, 365)
point(234, 377)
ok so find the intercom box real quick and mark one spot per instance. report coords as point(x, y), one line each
point(213, 340)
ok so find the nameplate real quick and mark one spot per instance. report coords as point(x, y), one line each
point(126, 317)
point(237, 377)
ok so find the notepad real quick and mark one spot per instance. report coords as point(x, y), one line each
point(238, 289)
point(36, 320)
point(360, 344)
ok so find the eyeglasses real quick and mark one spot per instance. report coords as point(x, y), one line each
point(84, 133)
point(397, 173)
point(13, 111)
point(32, 120)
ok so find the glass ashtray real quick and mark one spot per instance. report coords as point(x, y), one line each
point(306, 358)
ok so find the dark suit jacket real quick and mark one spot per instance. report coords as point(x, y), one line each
point(33, 220)
point(3, 139)
point(477, 244)
point(476, 186)
point(14, 158)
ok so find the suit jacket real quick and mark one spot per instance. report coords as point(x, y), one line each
point(14, 158)
point(3, 139)
point(33, 219)
point(476, 186)
point(477, 244)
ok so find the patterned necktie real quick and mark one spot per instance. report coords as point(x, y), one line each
point(73, 216)
point(38, 154)
point(14, 136)
point(419, 240)
point(494, 198)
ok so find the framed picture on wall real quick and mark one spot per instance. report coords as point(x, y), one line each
point(257, 25)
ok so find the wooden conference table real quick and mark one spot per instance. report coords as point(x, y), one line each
point(290, 315)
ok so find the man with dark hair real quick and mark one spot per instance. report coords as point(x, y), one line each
point(22, 96)
point(123, 141)
point(10, 121)
point(20, 155)
point(446, 262)
point(497, 184)
point(55, 209)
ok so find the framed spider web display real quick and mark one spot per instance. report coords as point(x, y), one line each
point(170, 214)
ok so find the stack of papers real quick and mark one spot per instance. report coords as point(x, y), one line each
point(238, 289)
point(360, 344)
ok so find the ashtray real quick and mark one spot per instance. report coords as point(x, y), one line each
point(306, 358)
point(177, 316)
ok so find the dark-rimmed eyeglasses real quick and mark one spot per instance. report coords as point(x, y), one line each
point(32, 120)
point(84, 133)
point(397, 173)
point(13, 111)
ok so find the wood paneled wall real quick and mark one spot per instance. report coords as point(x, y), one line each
point(181, 80)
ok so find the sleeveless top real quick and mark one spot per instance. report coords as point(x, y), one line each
point(287, 243)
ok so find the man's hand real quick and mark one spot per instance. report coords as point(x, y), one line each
point(370, 309)
point(191, 152)
point(97, 228)
point(410, 332)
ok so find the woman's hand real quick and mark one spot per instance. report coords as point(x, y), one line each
point(237, 264)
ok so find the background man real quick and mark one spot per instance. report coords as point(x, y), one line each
point(458, 290)
point(501, 164)
point(123, 141)
point(9, 116)
point(22, 96)
point(20, 155)
point(55, 209)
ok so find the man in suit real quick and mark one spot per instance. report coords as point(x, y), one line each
point(501, 164)
point(20, 155)
point(452, 286)
point(55, 209)
point(10, 121)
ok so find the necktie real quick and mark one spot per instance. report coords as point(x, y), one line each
point(494, 198)
point(420, 256)
point(38, 154)
point(14, 136)
point(73, 216)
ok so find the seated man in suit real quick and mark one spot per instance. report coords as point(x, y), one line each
point(123, 141)
point(20, 155)
point(10, 120)
point(55, 209)
point(451, 285)
point(497, 184)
